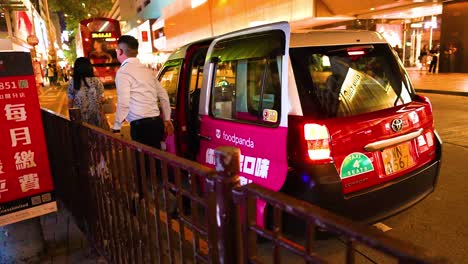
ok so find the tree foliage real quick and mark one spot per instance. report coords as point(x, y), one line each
point(70, 54)
point(77, 10)
point(73, 12)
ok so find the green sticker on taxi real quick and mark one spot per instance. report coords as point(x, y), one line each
point(354, 164)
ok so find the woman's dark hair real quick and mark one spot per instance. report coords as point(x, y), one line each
point(82, 69)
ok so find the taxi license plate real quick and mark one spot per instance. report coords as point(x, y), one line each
point(397, 158)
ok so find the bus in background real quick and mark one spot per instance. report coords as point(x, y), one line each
point(97, 40)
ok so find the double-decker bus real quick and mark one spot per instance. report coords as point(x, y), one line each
point(97, 40)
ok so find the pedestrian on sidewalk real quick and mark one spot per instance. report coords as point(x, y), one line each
point(38, 75)
point(58, 73)
point(138, 95)
point(86, 92)
point(51, 74)
point(423, 58)
point(399, 51)
point(435, 57)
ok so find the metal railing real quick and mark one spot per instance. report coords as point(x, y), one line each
point(137, 204)
point(314, 222)
point(129, 199)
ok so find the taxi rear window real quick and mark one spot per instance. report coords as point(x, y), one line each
point(339, 81)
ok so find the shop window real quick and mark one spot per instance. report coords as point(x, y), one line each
point(158, 33)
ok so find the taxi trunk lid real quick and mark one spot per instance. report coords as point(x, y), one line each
point(374, 148)
point(379, 129)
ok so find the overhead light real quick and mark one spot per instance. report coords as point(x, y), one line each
point(430, 24)
point(372, 9)
point(138, 21)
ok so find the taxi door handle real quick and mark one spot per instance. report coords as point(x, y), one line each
point(204, 137)
point(379, 145)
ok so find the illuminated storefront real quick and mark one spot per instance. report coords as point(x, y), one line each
point(187, 21)
point(410, 25)
point(23, 29)
point(407, 30)
point(41, 34)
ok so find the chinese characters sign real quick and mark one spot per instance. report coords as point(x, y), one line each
point(26, 188)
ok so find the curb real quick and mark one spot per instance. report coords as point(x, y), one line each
point(442, 92)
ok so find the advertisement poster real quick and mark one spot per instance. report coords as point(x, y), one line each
point(26, 188)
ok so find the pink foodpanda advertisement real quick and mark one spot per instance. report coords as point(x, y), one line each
point(263, 157)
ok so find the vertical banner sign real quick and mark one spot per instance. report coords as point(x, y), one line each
point(26, 189)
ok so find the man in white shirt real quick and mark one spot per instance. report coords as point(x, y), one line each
point(138, 94)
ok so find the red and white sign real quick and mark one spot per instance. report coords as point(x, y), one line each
point(26, 188)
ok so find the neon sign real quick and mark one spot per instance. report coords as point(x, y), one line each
point(101, 34)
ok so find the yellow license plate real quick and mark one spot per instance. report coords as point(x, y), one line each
point(397, 158)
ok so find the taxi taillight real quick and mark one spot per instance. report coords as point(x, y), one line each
point(318, 141)
point(425, 141)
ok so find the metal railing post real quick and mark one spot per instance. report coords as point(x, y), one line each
point(75, 114)
point(223, 226)
point(80, 204)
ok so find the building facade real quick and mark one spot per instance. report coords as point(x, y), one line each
point(454, 37)
point(408, 25)
point(24, 27)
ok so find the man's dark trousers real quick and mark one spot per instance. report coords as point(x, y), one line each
point(148, 131)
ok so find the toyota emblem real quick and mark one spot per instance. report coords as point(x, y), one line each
point(397, 125)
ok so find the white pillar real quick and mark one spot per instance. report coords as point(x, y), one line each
point(8, 22)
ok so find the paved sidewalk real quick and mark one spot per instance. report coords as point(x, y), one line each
point(64, 242)
point(49, 239)
point(441, 83)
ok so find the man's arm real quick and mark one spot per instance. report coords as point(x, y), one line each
point(122, 82)
point(163, 98)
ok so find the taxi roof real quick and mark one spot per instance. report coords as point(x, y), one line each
point(308, 39)
point(180, 52)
